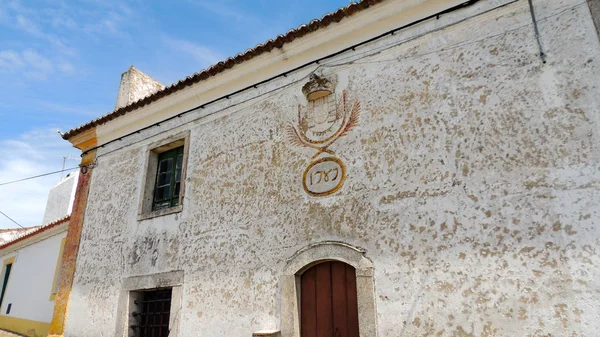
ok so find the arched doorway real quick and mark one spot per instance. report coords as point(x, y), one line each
point(328, 301)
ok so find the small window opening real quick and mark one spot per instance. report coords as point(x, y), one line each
point(150, 313)
point(5, 281)
point(168, 179)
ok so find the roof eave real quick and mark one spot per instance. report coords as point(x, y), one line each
point(229, 63)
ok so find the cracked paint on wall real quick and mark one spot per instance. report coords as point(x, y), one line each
point(473, 183)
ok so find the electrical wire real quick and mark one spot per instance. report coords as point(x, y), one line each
point(455, 46)
point(9, 218)
point(332, 65)
point(388, 46)
point(537, 31)
point(286, 73)
point(319, 66)
point(363, 55)
point(38, 176)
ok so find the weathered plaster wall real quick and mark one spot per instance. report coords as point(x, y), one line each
point(473, 184)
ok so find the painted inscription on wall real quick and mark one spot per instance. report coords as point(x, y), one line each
point(320, 125)
point(324, 176)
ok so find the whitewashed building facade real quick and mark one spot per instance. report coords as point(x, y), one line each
point(437, 163)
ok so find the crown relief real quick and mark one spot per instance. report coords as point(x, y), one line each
point(319, 86)
point(321, 123)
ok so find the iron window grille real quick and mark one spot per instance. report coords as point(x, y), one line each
point(151, 314)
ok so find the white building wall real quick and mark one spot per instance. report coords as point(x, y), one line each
point(473, 183)
point(31, 279)
point(61, 198)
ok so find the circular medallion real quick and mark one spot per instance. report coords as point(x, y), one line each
point(324, 177)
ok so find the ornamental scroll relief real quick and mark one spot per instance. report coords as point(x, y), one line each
point(320, 125)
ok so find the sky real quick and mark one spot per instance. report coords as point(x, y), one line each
point(61, 62)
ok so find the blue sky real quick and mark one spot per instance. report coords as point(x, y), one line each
point(61, 61)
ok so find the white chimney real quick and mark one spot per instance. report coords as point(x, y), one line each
point(135, 85)
point(61, 198)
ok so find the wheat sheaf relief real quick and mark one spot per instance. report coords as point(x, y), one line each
point(320, 125)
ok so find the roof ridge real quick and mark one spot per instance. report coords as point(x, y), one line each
point(230, 62)
point(17, 229)
point(41, 229)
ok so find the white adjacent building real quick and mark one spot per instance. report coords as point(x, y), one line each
point(31, 265)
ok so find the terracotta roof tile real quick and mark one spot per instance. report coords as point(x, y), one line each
point(5, 230)
point(36, 232)
point(230, 62)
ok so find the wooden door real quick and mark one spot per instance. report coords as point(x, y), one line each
point(328, 301)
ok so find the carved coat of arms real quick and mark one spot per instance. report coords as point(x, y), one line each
point(325, 120)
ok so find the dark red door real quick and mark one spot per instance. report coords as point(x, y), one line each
point(328, 301)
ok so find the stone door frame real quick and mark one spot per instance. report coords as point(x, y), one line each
point(173, 280)
point(320, 252)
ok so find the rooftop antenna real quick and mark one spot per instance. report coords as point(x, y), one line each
point(65, 158)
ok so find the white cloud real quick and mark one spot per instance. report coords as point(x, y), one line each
point(10, 60)
point(32, 64)
point(107, 18)
point(28, 26)
point(256, 28)
point(203, 55)
point(36, 152)
point(35, 75)
point(54, 107)
point(66, 67)
point(38, 61)
point(63, 21)
point(54, 22)
point(228, 12)
point(61, 46)
point(3, 16)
